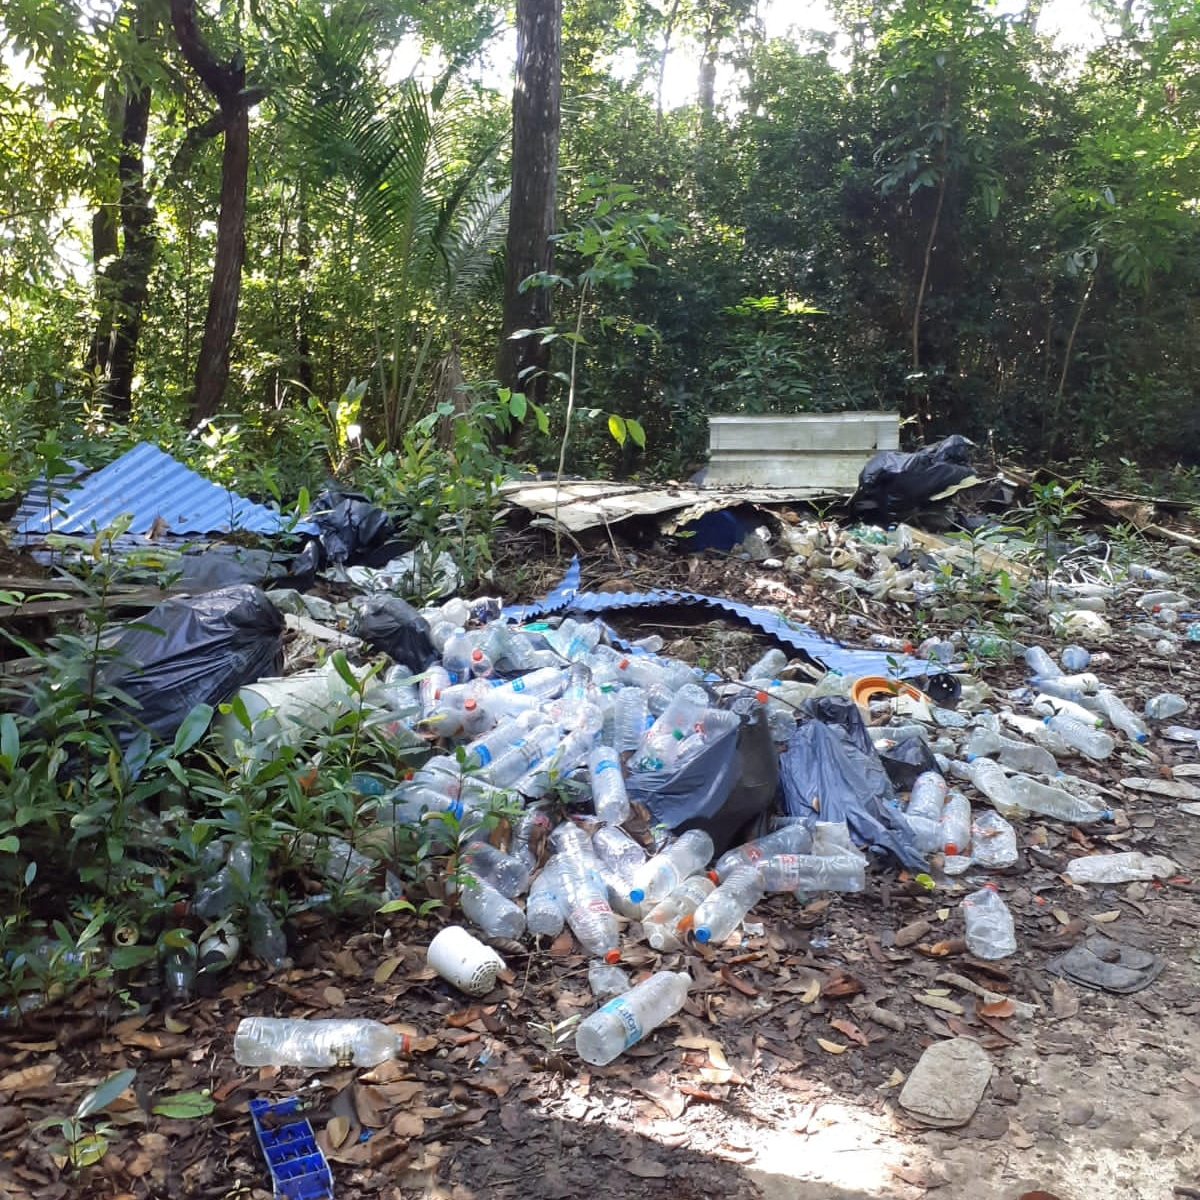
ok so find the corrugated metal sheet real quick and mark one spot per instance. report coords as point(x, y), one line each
point(147, 484)
point(814, 646)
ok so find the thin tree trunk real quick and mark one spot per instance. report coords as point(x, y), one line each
point(933, 232)
point(304, 361)
point(1056, 427)
point(666, 50)
point(137, 258)
point(105, 243)
point(521, 363)
point(227, 83)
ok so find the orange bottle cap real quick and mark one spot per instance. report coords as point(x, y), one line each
point(613, 957)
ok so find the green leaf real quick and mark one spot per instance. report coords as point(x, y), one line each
point(30, 873)
point(346, 673)
point(192, 729)
point(636, 432)
point(87, 1151)
point(185, 1106)
point(399, 905)
point(517, 405)
point(9, 844)
point(616, 426)
point(10, 741)
point(101, 1097)
point(125, 958)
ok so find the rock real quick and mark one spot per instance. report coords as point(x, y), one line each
point(948, 1082)
point(1078, 1113)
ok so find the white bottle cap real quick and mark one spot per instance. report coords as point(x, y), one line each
point(463, 960)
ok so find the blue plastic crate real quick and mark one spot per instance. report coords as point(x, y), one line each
point(298, 1168)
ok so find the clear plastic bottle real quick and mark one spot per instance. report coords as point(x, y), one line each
point(792, 839)
point(1059, 694)
point(1127, 867)
point(506, 873)
point(625, 1020)
point(586, 908)
point(456, 656)
point(433, 683)
point(672, 915)
point(928, 796)
point(606, 980)
point(722, 911)
point(534, 823)
point(1121, 717)
point(279, 1042)
point(939, 650)
point(495, 914)
point(544, 684)
point(767, 667)
point(410, 804)
point(1075, 658)
point(989, 778)
point(1165, 706)
point(881, 641)
point(630, 721)
point(617, 851)
point(267, 939)
point(839, 871)
point(1053, 802)
point(1143, 574)
point(1021, 756)
point(659, 749)
point(993, 841)
point(990, 930)
point(687, 855)
point(956, 824)
point(1040, 664)
point(1090, 742)
point(227, 887)
point(543, 906)
point(609, 797)
point(526, 751)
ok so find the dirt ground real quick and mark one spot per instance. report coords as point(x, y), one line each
point(779, 1080)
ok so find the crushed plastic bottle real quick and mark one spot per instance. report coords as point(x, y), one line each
point(607, 980)
point(1075, 658)
point(990, 930)
point(1121, 717)
point(1128, 867)
point(1090, 742)
point(659, 749)
point(993, 841)
point(506, 873)
point(495, 914)
point(672, 915)
point(956, 824)
point(838, 871)
point(609, 797)
point(631, 718)
point(627, 1019)
point(586, 908)
point(1165, 705)
point(791, 839)
point(1021, 756)
point(1040, 664)
point(280, 1042)
point(617, 851)
point(923, 813)
point(267, 939)
point(543, 908)
point(687, 855)
point(1049, 801)
point(767, 667)
point(722, 911)
point(989, 778)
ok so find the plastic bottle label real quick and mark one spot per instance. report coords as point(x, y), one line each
point(608, 764)
point(484, 755)
point(620, 1008)
point(518, 685)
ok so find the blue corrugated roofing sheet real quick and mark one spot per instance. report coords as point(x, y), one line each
point(147, 484)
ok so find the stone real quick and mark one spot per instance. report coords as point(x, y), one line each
point(947, 1084)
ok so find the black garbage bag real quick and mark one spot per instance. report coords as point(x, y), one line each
point(193, 651)
point(351, 526)
point(830, 769)
point(727, 789)
point(894, 484)
point(906, 760)
point(393, 626)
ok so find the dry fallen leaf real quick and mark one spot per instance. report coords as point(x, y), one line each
point(387, 968)
point(896, 1078)
point(716, 1056)
point(940, 1003)
point(334, 996)
point(850, 1030)
point(1061, 915)
point(407, 1125)
point(998, 1008)
point(1105, 918)
point(171, 1025)
point(337, 1131)
point(1063, 999)
point(28, 1078)
point(737, 984)
point(832, 1047)
point(646, 1168)
point(811, 992)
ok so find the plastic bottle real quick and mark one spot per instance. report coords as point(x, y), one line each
point(607, 980)
point(524, 753)
point(586, 907)
point(630, 721)
point(1046, 705)
point(609, 797)
point(1034, 728)
point(840, 871)
point(1059, 694)
point(990, 930)
point(1142, 574)
point(672, 915)
point(267, 939)
point(928, 796)
point(659, 749)
point(495, 914)
point(506, 873)
point(956, 824)
point(543, 906)
point(1021, 756)
point(792, 839)
point(687, 855)
point(1165, 706)
point(1121, 717)
point(1119, 868)
point(625, 1020)
point(1090, 742)
point(1075, 658)
point(278, 1042)
point(179, 973)
point(722, 911)
point(1054, 802)
point(993, 841)
point(881, 641)
point(617, 851)
point(767, 667)
point(218, 895)
point(989, 778)
point(544, 683)
point(410, 804)
point(1040, 664)
point(939, 650)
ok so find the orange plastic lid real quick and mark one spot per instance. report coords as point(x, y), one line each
point(879, 687)
point(613, 957)
point(476, 654)
point(713, 876)
point(470, 705)
point(951, 848)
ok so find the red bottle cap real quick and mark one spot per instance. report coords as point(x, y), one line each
point(613, 957)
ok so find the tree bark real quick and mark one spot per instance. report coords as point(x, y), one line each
point(137, 257)
point(536, 122)
point(106, 246)
point(920, 302)
point(227, 83)
point(304, 359)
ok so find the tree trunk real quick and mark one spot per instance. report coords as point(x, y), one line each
point(536, 120)
point(933, 232)
point(137, 257)
point(105, 244)
point(304, 359)
point(666, 50)
point(226, 81)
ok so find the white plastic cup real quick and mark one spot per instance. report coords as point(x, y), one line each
point(463, 960)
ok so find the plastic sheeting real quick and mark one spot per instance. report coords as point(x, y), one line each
point(725, 790)
point(894, 484)
point(805, 641)
point(830, 770)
